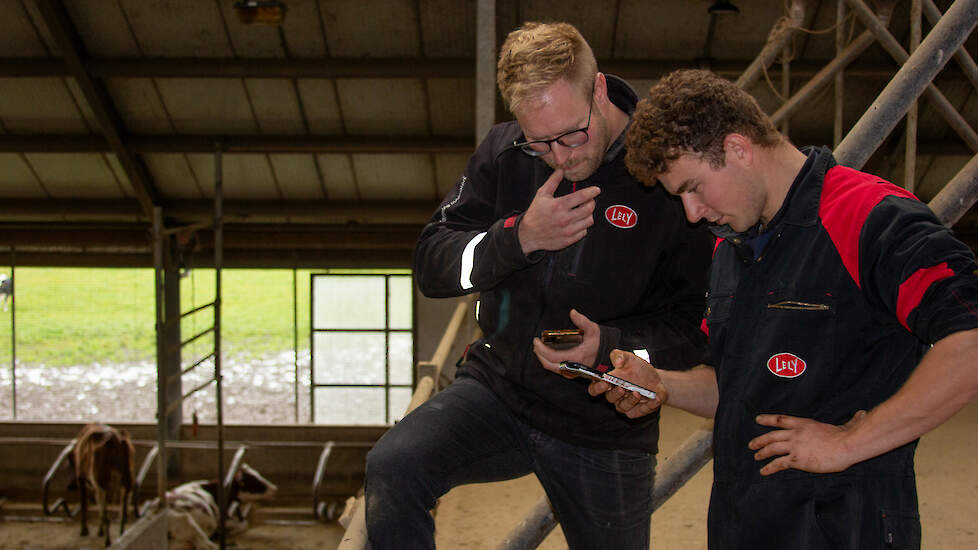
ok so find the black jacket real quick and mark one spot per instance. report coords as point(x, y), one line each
point(640, 273)
point(830, 317)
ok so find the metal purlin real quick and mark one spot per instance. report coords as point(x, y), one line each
point(163, 408)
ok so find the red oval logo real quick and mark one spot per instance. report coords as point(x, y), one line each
point(621, 216)
point(786, 365)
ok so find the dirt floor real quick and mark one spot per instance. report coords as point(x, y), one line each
point(478, 517)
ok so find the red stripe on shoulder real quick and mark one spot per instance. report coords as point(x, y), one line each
point(848, 196)
point(912, 290)
point(510, 222)
point(716, 245)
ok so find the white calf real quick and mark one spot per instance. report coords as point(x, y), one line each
point(193, 512)
point(191, 517)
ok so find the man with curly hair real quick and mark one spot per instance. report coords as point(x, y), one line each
point(827, 287)
point(553, 233)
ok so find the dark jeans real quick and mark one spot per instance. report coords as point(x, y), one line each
point(465, 434)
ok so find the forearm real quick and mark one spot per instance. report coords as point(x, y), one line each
point(944, 382)
point(693, 390)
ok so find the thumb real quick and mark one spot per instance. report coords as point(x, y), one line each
point(579, 319)
point(550, 186)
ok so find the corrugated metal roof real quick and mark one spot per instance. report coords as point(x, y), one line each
point(347, 110)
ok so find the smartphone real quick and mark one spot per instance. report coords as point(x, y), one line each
point(562, 338)
point(590, 372)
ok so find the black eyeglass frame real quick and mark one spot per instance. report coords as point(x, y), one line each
point(525, 145)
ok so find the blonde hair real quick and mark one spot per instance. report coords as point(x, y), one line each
point(536, 55)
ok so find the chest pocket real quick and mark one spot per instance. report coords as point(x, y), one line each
point(793, 360)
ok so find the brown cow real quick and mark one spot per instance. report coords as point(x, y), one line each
point(103, 459)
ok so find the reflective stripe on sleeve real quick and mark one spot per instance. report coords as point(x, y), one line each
point(643, 353)
point(468, 261)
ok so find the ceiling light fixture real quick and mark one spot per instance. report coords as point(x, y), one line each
point(723, 7)
point(260, 12)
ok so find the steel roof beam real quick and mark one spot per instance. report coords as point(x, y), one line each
point(73, 51)
point(234, 258)
point(365, 216)
point(123, 237)
point(66, 143)
point(188, 67)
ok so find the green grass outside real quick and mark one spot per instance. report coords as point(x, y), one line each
point(78, 316)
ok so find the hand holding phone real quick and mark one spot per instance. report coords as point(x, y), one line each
point(590, 372)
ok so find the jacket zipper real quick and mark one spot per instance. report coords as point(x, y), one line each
point(796, 305)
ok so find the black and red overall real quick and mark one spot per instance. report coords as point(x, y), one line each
point(825, 313)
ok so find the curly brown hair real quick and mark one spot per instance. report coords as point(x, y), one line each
point(536, 55)
point(691, 111)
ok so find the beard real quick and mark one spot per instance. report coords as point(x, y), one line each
point(579, 168)
point(583, 166)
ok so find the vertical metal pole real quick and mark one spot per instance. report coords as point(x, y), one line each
point(485, 68)
point(295, 338)
point(13, 331)
point(218, 264)
point(172, 351)
point(387, 349)
point(161, 401)
point(312, 349)
point(910, 157)
point(786, 84)
point(840, 77)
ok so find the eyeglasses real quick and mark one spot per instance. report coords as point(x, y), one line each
point(571, 140)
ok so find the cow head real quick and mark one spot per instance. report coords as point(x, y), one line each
point(251, 486)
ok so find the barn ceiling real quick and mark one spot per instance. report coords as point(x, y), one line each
point(342, 127)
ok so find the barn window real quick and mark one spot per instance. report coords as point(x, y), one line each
point(362, 346)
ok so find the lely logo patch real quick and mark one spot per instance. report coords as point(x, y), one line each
point(786, 365)
point(621, 216)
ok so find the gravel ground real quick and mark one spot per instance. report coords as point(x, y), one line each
point(256, 390)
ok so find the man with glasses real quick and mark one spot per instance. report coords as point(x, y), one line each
point(553, 233)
